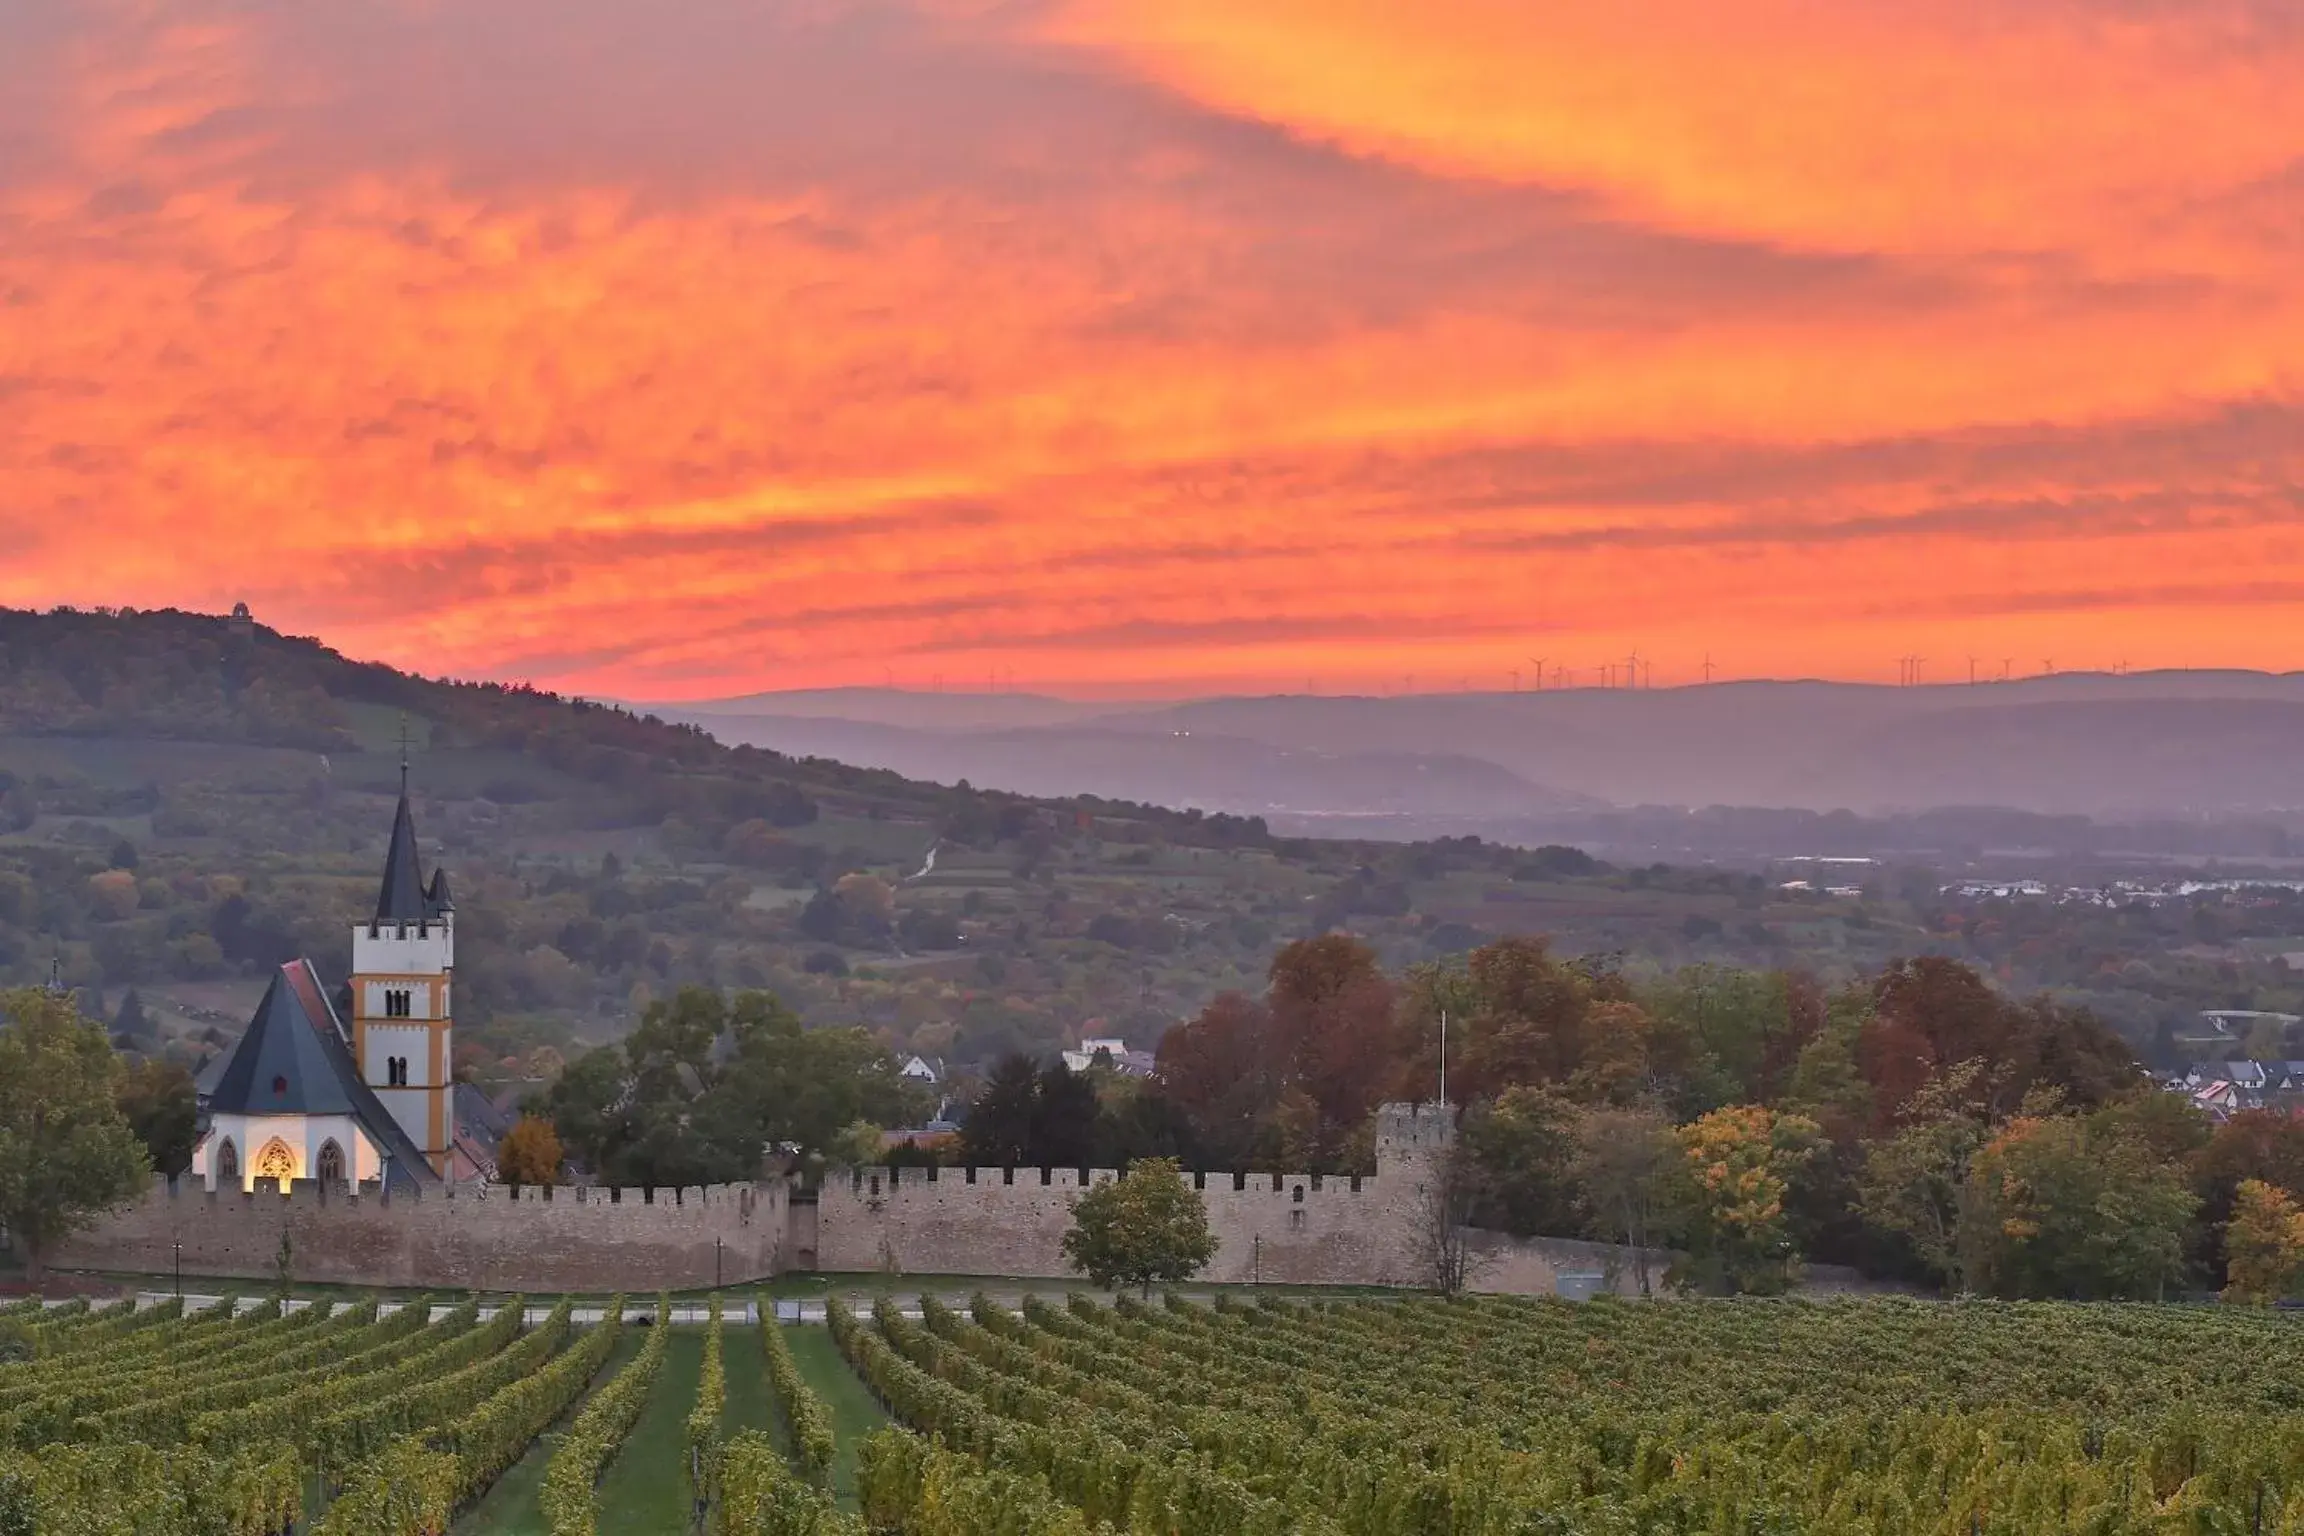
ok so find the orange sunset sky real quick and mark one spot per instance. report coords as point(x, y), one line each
point(1147, 346)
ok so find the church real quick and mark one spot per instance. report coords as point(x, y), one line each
point(369, 1100)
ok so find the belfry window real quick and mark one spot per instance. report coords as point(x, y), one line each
point(397, 1004)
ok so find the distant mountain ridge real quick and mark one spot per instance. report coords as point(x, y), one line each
point(2160, 743)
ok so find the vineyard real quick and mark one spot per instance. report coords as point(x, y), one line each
point(376, 1421)
point(1495, 1416)
point(1348, 1418)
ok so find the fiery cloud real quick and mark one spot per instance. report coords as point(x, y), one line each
point(1148, 344)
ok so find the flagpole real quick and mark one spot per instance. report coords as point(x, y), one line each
point(1443, 1055)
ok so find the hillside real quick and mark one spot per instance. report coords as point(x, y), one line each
point(184, 801)
point(2144, 745)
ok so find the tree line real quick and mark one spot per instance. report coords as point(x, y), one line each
point(1918, 1124)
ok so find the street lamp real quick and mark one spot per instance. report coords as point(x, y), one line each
point(715, 1263)
point(178, 1245)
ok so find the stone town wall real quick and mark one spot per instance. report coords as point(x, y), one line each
point(1299, 1229)
point(472, 1237)
point(1270, 1227)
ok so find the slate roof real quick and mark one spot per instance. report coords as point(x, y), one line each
point(281, 1065)
point(404, 896)
point(478, 1114)
point(293, 1061)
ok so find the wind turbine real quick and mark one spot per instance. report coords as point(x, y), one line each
point(1971, 671)
point(2048, 665)
point(1707, 669)
point(1539, 662)
point(1515, 671)
point(1632, 672)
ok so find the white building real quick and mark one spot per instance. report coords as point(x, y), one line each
point(303, 1097)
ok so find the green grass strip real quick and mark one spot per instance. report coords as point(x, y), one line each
point(854, 1412)
point(645, 1491)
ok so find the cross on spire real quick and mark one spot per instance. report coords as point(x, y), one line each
point(403, 752)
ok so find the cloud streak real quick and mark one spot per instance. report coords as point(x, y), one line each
point(1121, 346)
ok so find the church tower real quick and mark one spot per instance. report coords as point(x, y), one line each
point(403, 966)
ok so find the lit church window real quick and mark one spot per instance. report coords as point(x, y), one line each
point(276, 1161)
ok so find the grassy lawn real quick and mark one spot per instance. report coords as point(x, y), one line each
point(854, 1413)
point(748, 1402)
point(646, 1490)
point(509, 1508)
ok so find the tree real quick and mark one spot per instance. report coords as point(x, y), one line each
point(2068, 1207)
point(998, 1130)
point(1520, 1153)
point(1443, 1218)
point(529, 1153)
point(1915, 1180)
point(860, 1144)
point(1144, 1228)
point(2263, 1244)
point(1064, 1119)
point(1930, 1015)
point(162, 1107)
point(1629, 1166)
point(67, 1154)
point(707, 1083)
point(1225, 1071)
point(1742, 1161)
point(131, 1022)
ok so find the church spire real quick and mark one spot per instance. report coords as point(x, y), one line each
point(405, 897)
point(402, 898)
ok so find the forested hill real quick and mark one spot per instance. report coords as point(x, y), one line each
point(185, 801)
point(177, 676)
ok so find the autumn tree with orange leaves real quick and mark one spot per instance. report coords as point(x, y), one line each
point(1741, 1162)
point(2263, 1244)
point(529, 1153)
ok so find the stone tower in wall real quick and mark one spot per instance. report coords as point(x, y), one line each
point(1411, 1139)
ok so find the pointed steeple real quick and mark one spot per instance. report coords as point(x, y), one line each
point(402, 898)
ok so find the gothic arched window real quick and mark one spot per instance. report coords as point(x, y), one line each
point(276, 1161)
point(227, 1161)
point(331, 1163)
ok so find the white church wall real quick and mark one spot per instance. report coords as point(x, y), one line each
point(426, 999)
point(380, 1042)
point(412, 1108)
point(398, 951)
point(303, 1135)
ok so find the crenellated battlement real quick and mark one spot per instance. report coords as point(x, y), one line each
point(1413, 1130)
point(1299, 1228)
point(481, 1236)
point(311, 1192)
